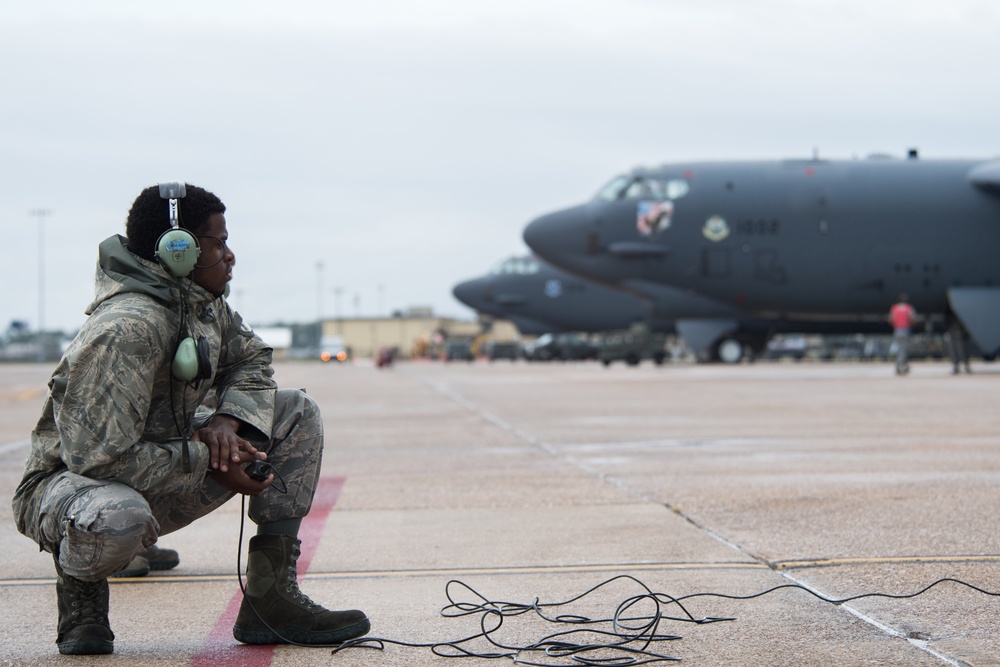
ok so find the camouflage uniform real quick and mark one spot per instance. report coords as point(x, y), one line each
point(109, 470)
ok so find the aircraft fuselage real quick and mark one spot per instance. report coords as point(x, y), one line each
point(798, 239)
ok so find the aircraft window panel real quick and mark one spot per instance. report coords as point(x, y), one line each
point(636, 190)
point(626, 187)
point(676, 188)
point(613, 189)
point(514, 265)
point(656, 189)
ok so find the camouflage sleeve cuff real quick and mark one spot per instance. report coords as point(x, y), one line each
point(255, 410)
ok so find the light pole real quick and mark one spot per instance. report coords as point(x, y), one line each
point(41, 214)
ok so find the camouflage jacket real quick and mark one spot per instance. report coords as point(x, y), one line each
point(115, 411)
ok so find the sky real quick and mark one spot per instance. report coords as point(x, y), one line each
point(373, 154)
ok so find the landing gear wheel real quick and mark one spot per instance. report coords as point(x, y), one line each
point(730, 351)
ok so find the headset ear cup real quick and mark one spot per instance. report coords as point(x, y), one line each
point(191, 360)
point(177, 250)
point(185, 364)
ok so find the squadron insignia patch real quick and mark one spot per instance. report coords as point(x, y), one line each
point(716, 228)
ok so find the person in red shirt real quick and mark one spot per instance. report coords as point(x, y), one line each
point(902, 316)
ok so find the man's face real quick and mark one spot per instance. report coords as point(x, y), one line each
point(215, 263)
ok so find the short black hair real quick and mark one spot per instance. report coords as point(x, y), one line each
point(149, 217)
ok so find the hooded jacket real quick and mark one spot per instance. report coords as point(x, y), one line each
point(116, 412)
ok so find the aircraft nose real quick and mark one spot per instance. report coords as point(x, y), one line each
point(559, 237)
point(470, 292)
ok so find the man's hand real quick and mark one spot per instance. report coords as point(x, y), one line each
point(235, 479)
point(228, 452)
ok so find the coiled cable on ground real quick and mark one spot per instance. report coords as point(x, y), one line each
point(625, 639)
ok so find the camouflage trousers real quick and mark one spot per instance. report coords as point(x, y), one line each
point(97, 526)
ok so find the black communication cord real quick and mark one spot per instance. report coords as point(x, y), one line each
point(184, 315)
point(627, 643)
point(183, 431)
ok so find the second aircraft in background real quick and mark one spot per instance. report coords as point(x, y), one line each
point(539, 298)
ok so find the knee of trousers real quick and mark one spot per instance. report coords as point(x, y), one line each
point(296, 452)
point(296, 412)
point(99, 529)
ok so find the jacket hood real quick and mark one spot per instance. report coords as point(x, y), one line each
point(120, 272)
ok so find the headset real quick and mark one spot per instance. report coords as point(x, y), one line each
point(177, 251)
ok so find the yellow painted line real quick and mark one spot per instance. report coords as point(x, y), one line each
point(28, 395)
point(622, 568)
point(382, 574)
point(830, 562)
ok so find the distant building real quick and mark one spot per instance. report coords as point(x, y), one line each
point(414, 334)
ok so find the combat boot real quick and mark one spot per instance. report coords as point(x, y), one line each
point(137, 567)
point(83, 615)
point(153, 558)
point(275, 611)
point(161, 559)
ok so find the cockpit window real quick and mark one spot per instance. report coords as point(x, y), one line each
point(613, 190)
point(676, 188)
point(517, 266)
point(643, 187)
point(638, 189)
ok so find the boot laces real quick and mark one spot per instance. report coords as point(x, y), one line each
point(292, 582)
point(87, 602)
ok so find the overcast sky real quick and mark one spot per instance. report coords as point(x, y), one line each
point(403, 146)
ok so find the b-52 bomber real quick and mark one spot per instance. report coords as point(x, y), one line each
point(540, 298)
point(806, 240)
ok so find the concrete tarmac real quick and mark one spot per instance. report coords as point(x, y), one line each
point(532, 484)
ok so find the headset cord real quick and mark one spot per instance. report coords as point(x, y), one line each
point(183, 431)
point(627, 643)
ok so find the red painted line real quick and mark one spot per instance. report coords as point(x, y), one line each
point(219, 648)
